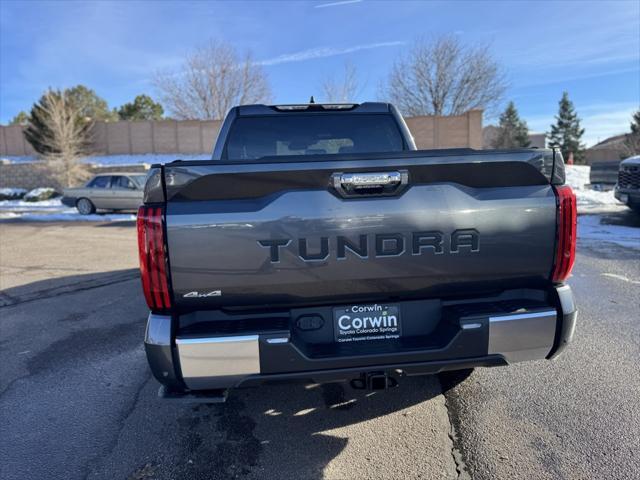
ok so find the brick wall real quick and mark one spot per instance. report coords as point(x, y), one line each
point(12, 141)
point(447, 132)
point(163, 136)
point(35, 175)
point(24, 175)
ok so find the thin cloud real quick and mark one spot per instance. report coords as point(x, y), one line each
point(581, 44)
point(336, 4)
point(560, 79)
point(323, 52)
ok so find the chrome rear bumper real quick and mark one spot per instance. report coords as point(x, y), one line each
point(521, 337)
point(220, 362)
point(209, 363)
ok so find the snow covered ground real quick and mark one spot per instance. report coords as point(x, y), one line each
point(590, 201)
point(24, 206)
point(138, 159)
point(593, 229)
point(17, 159)
point(52, 211)
point(594, 207)
point(12, 193)
point(109, 160)
point(69, 215)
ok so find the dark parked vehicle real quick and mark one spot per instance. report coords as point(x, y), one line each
point(603, 175)
point(319, 244)
point(113, 191)
point(628, 187)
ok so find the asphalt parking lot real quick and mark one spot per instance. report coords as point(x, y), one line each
point(77, 399)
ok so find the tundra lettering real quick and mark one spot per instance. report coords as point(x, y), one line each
point(386, 245)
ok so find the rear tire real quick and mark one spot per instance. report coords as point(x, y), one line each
point(85, 206)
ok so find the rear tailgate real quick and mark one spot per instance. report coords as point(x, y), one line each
point(288, 232)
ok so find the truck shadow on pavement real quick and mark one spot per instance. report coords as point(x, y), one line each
point(117, 223)
point(297, 430)
point(625, 218)
point(52, 287)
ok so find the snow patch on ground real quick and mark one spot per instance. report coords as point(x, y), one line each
point(141, 159)
point(17, 159)
point(69, 216)
point(121, 159)
point(53, 211)
point(591, 229)
point(589, 201)
point(22, 205)
point(12, 193)
point(40, 194)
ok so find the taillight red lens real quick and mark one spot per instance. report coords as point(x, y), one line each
point(152, 252)
point(566, 241)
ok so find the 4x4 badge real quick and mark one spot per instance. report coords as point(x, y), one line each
point(213, 293)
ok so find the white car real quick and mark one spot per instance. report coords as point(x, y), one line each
point(112, 191)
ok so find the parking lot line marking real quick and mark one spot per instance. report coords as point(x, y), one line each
point(621, 277)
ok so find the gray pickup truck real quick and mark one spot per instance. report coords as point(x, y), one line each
point(318, 244)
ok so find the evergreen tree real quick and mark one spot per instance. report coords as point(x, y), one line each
point(635, 123)
point(632, 141)
point(512, 131)
point(90, 105)
point(20, 119)
point(566, 133)
point(142, 108)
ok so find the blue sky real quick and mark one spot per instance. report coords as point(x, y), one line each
point(591, 49)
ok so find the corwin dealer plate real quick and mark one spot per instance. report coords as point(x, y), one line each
point(358, 323)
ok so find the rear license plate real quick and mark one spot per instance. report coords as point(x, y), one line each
point(361, 323)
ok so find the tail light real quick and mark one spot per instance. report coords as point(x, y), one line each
point(566, 234)
point(153, 258)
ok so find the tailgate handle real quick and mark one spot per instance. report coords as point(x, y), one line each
point(358, 184)
point(371, 179)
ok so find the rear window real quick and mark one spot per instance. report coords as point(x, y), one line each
point(299, 134)
point(139, 179)
point(120, 182)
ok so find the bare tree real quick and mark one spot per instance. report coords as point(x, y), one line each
point(60, 133)
point(445, 77)
point(344, 89)
point(211, 81)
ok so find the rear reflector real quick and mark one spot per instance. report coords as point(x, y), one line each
point(566, 241)
point(152, 251)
